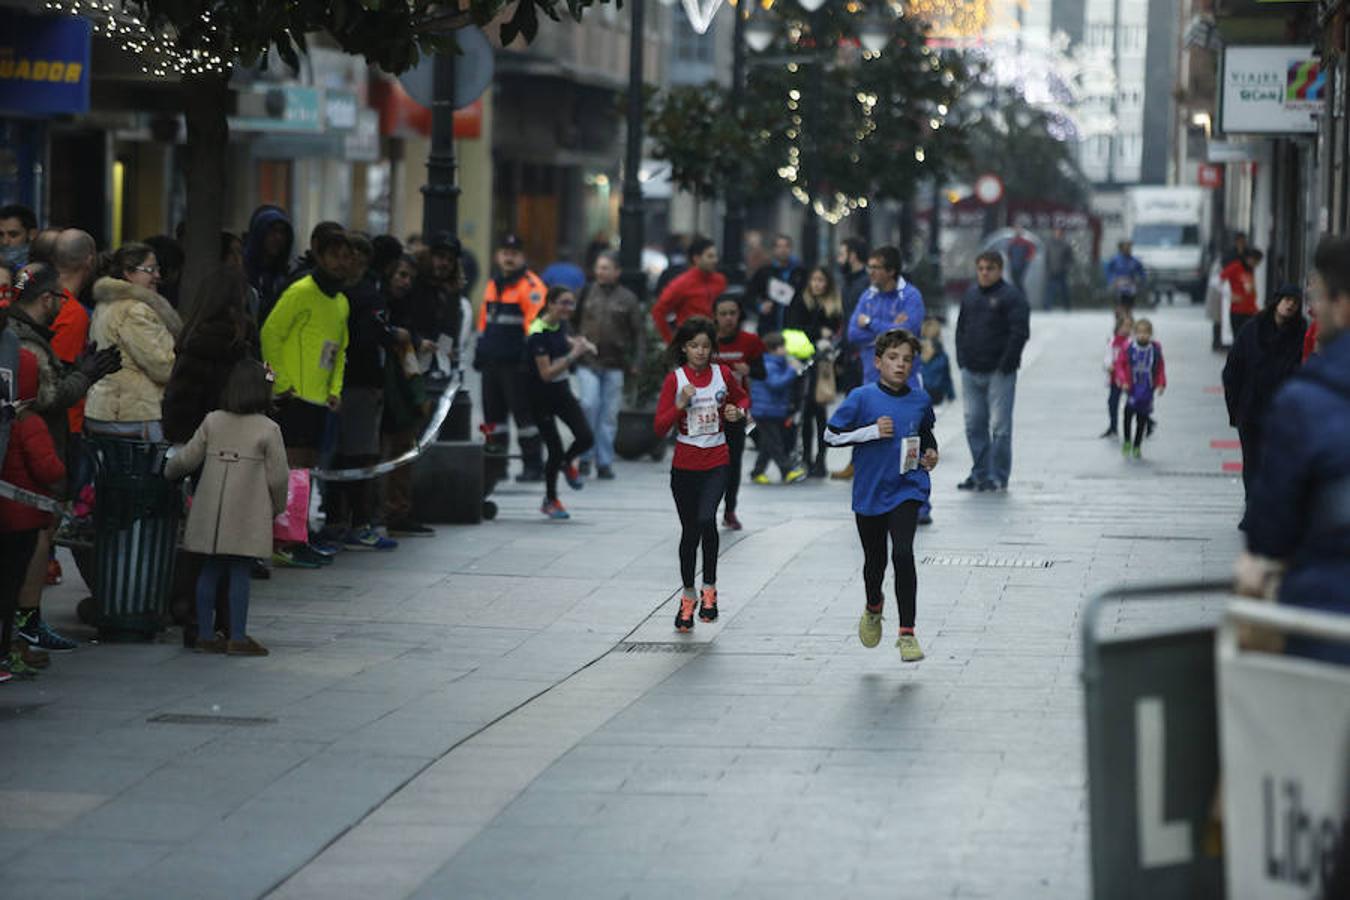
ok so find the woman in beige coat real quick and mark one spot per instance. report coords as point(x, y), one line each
point(129, 315)
point(241, 490)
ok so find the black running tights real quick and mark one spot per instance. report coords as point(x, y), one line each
point(1139, 422)
point(898, 525)
point(697, 494)
point(546, 415)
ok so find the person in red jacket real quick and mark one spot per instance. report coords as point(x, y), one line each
point(31, 464)
point(698, 399)
point(693, 292)
point(742, 352)
point(1240, 276)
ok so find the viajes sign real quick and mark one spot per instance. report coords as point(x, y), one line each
point(1271, 90)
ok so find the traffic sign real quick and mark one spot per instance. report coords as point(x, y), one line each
point(474, 67)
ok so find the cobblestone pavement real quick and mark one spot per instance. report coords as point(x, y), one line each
point(505, 711)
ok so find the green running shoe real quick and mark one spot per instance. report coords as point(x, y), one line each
point(910, 651)
point(1136, 452)
point(869, 629)
point(1125, 449)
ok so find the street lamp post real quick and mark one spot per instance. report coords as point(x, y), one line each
point(440, 195)
point(733, 228)
point(631, 213)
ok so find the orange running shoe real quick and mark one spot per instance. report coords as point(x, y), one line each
point(707, 611)
point(684, 619)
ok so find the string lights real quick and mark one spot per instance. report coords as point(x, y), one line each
point(157, 49)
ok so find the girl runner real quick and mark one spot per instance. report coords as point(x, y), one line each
point(551, 352)
point(699, 398)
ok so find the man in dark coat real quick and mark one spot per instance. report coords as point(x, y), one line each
point(1267, 351)
point(1299, 508)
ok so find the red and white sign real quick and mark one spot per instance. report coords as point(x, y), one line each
point(989, 189)
point(1209, 176)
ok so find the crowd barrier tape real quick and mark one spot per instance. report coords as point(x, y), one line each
point(47, 504)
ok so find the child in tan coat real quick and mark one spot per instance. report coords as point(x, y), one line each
point(241, 490)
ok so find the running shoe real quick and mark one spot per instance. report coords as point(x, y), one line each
point(925, 520)
point(367, 539)
point(1109, 433)
point(1137, 452)
point(707, 610)
point(53, 571)
point(323, 546)
point(869, 628)
point(573, 477)
point(684, 618)
point(1125, 449)
point(259, 571)
point(409, 528)
point(307, 552)
point(988, 487)
point(554, 510)
point(729, 520)
point(910, 651)
point(34, 629)
point(247, 647)
point(584, 467)
point(761, 478)
point(605, 473)
point(14, 665)
point(288, 558)
point(794, 476)
point(970, 484)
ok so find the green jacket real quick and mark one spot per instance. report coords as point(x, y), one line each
point(304, 340)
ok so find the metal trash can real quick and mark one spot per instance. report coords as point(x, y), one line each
point(1153, 749)
point(136, 512)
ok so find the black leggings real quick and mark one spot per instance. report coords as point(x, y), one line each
point(16, 549)
point(697, 494)
point(735, 432)
point(898, 525)
point(1140, 423)
point(814, 417)
point(546, 415)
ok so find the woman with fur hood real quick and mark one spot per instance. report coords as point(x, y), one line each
point(130, 315)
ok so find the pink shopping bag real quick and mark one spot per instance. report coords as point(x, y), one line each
point(292, 526)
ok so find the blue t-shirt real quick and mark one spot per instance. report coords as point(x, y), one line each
point(878, 485)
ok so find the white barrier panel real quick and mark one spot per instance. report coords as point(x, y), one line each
point(1285, 750)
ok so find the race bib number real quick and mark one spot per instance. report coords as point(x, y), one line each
point(704, 419)
point(328, 355)
point(780, 291)
point(909, 454)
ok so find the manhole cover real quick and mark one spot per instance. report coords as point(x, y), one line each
point(189, 719)
point(986, 562)
point(658, 647)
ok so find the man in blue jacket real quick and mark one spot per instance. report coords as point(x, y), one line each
point(992, 330)
point(1298, 515)
point(890, 303)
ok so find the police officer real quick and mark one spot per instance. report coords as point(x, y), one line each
point(513, 298)
point(1298, 511)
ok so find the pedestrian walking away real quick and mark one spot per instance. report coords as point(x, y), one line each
point(1299, 509)
point(992, 330)
point(1265, 353)
point(1141, 376)
point(513, 298)
point(889, 424)
point(552, 351)
point(242, 488)
point(742, 352)
point(1119, 340)
point(697, 400)
point(610, 317)
point(771, 398)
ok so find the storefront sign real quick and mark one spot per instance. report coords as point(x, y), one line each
point(1271, 90)
point(44, 64)
point(1209, 176)
point(291, 108)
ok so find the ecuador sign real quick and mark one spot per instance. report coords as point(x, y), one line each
point(44, 64)
point(1271, 90)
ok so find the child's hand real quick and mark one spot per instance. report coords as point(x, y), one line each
point(684, 396)
point(1160, 390)
point(732, 413)
point(930, 459)
point(886, 426)
point(864, 320)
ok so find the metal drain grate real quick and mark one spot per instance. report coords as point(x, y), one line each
point(190, 719)
point(1169, 538)
point(986, 562)
point(658, 647)
point(1165, 473)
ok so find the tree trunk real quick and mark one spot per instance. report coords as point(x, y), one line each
point(206, 101)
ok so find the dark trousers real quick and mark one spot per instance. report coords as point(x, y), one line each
point(546, 414)
point(235, 570)
point(1138, 421)
point(1238, 320)
point(735, 432)
point(898, 526)
point(505, 395)
point(775, 446)
point(814, 417)
point(351, 504)
point(1113, 406)
point(16, 549)
point(697, 494)
point(1250, 436)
